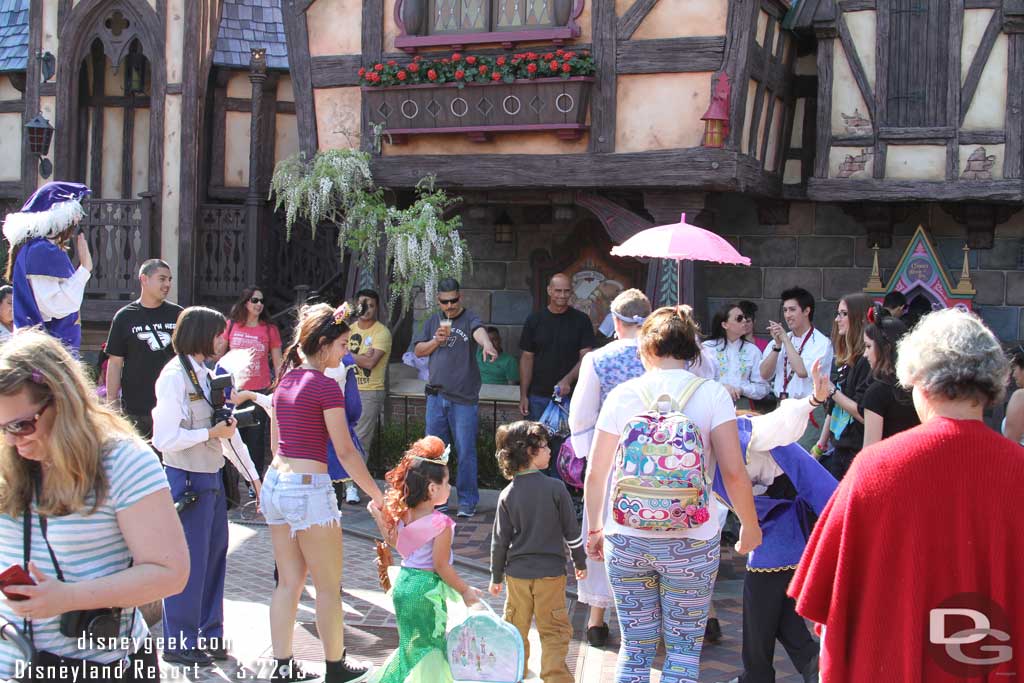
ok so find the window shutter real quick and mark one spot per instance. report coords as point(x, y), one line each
point(918, 63)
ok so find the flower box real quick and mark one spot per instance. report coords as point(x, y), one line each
point(480, 110)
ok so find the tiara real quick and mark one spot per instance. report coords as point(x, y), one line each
point(342, 313)
point(442, 460)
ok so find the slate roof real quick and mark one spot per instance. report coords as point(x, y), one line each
point(245, 24)
point(13, 35)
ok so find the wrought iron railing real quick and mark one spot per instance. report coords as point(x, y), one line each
point(119, 236)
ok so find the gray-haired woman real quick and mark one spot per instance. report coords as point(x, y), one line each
point(932, 507)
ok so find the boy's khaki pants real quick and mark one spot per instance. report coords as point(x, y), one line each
point(545, 600)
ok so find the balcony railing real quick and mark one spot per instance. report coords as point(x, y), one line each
point(118, 232)
point(225, 262)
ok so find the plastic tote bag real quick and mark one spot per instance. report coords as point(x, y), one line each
point(555, 417)
point(486, 649)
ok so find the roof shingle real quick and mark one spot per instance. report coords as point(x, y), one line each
point(244, 24)
point(13, 35)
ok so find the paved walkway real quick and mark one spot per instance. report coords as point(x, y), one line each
point(370, 631)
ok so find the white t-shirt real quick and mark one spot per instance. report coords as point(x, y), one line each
point(709, 407)
point(817, 346)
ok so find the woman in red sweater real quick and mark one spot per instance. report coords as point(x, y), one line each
point(926, 521)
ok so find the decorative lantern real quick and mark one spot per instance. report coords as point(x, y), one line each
point(716, 118)
point(40, 133)
point(47, 65)
point(503, 228)
point(135, 74)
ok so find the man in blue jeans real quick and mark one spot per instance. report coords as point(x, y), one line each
point(453, 390)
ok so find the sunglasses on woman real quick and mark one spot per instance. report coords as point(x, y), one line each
point(255, 300)
point(26, 426)
point(742, 318)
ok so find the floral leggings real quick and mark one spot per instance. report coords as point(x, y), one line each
point(662, 590)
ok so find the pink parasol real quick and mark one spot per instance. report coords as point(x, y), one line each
point(680, 242)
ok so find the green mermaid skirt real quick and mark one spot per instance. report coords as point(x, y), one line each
point(422, 614)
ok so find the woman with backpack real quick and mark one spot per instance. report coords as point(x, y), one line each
point(657, 530)
point(249, 327)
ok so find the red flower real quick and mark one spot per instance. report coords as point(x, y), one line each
point(392, 62)
point(501, 60)
point(553, 65)
point(548, 57)
point(417, 58)
point(414, 67)
point(378, 67)
point(516, 61)
point(362, 71)
point(471, 60)
point(566, 67)
point(401, 75)
point(560, 52)
point(531, 55)
point(456, 57)
point(495, 76)
point(373, 77)
point(446, 61)
point(532, 68)
point(483, 69)
point(432, 75)
point(460, 74)
point(570, 55)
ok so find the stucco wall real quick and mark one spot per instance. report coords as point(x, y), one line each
point(285, 92)
point(988, 108)
point(975, 23)
point(679, 19)
point(10, 146)
point(239, 86)
point(236, 149)
point(286, 141)
point(140, 153)
point(7, 90)
point(846, 97)
point(337, 117)
point(661, 111)
point(916, 162)
point(174, 37)
point(335, 27)
point(113, 150)
point(863, 30)
point(170, 208)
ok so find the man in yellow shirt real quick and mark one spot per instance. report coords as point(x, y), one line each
point(370, 344)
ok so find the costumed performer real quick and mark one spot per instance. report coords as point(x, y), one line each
point(791, 489)
point(48, 290)
point(423, 537)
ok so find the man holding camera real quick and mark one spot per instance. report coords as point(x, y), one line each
point(196, 435)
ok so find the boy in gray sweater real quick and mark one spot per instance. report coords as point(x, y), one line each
point(534, 523)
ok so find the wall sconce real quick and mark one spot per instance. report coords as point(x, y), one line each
point(47, 65)
point(40, 133)
point(716, 118)
point(135, 73)
point(503, 228)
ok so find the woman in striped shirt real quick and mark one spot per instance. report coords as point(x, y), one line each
point(298, 499)
point(102, 492)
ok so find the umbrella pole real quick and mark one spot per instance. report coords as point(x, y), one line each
point(679, 282)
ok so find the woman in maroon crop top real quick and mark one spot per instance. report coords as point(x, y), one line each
point(298, 498)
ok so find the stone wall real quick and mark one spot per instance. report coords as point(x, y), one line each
point(826, 251)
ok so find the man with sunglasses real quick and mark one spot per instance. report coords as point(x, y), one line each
point(139, 346)
point(453, 390)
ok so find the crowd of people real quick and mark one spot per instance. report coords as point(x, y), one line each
point(851, 461)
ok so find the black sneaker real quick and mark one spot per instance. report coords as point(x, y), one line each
point(188, 658)
point(597, 636)
point(218, 653)
point(713, 631)
point(292, 673)
point(348, 671)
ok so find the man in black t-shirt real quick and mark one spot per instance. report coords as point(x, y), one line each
point(553, 342)
point(139, 345)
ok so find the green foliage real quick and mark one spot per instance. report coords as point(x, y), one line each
point(394, 437)
point(336, 186)
point(461, 68)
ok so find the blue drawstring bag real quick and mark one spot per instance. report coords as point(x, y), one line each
point(555, 417)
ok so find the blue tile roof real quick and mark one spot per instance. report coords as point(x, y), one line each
point(13, 35)
point(245, 24)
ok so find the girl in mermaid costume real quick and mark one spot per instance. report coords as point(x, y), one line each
point(423, 537)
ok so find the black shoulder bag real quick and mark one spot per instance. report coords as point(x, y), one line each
point(95, 625)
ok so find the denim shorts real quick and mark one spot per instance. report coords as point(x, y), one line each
point(299, 500)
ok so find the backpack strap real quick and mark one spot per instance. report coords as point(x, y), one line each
point(666, 400)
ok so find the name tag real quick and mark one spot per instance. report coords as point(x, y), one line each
point(195, 397)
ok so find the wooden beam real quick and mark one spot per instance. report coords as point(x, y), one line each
point(218, 143)
point(1014, 151)
point(336, 71)
point(853, 140)
point(983, 4)
point(740, 30)
point(373, 51)
point(29, 162)
point(845, 190)
point(755, 120)
point(297, 35)
point(98, 88)
point(988, 41)
point(823, 137)
point(857, 5)
point(127, 151)
point(762, 154)
point(188, 189)
point(698, 168)
point(12, 107)
point(633, 17)
point(670, 55)
point(603, 100)
point(808, 136)
point(857, 67)
point(955, 45)
point(984, 137)
point(941, 133)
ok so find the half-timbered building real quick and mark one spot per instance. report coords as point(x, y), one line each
point(808, 134)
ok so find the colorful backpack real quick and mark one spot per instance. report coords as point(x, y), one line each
point(486, 649)
point(660, 478)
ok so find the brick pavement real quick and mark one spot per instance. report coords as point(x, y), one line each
point(370, 631)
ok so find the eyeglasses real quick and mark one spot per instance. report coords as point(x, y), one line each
point(255, 300)
point(449, 302)
point(26, 426)
point(742, 318)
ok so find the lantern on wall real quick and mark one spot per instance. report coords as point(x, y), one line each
point(503, 228)
point(135, 72)
point(40, 133)
point(716, 118)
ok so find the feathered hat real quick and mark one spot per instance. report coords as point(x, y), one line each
point(50, 211)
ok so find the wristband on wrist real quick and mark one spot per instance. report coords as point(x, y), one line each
point(594, 531)
point(776, 349)
point(834, 391)
point(816, 450)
